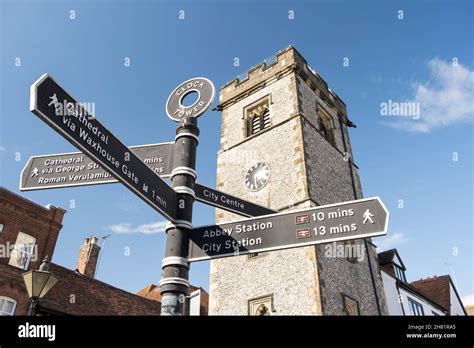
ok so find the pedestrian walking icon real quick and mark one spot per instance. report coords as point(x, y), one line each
point(34, 172)
point(368, 217)
point(54, 100)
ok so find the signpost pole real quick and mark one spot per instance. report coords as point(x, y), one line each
point(174, 281)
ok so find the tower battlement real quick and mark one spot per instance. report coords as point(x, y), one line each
point(273, 68)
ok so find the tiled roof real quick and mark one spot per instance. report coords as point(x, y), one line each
point(436, 288)
point(77, 294)
point(388, 256)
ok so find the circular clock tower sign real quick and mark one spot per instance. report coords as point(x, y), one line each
point(205, 94)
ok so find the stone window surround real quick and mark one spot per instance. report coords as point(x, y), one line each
point(328, 122)
point(266, 99)
point(344, 302)
point(255, 303)
point(321, 105)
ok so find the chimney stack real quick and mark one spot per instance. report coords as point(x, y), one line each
point(88, 257)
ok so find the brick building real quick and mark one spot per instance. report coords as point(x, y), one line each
point(284, 127)
point(28, 233)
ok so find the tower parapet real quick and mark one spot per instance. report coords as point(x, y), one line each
point(273, 68)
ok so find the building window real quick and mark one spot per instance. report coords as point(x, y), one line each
point(400, 273)
point(325, 124)
point(351, 306)
point(23, 251)
point(351, 250)
point(257, 116)
point(2, 226)
point(261, 306)
point(7, 306)
point(416, 307)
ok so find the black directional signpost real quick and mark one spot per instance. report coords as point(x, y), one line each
point(63, 113)
point(105, 159)
point(336, 222)
point(174, 282)
point(77, 169)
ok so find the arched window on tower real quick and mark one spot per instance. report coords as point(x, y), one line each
point(322, 127)
point(257, 116)
point(325, 124)
point(255, 124)
point(266, 118)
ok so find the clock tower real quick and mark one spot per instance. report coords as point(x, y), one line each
point(285, 144)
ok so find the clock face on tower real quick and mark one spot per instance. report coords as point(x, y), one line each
point(257, 176)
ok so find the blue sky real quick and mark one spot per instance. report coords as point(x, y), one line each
point(410, 59)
